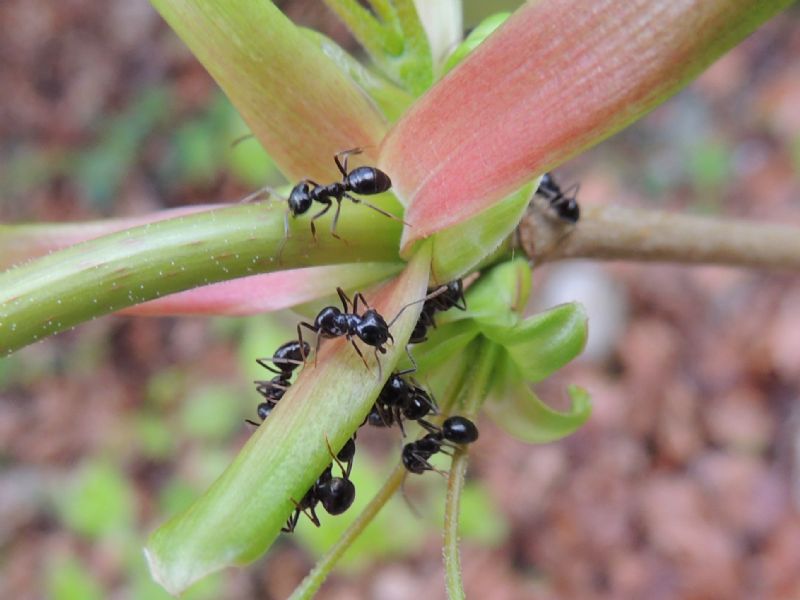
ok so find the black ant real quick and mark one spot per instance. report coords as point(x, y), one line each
point(455, 431)
point(564, 205)
point(287, 358)
point(450, 295)
point(370, 327)
point(400, 399)
point(336, 494)
point(361, 180)
point(272, 391)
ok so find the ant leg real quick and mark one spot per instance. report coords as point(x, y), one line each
point(262, 362)
point(309, 512)
point(300, 337)
point(429, 427)
point(413, 369)
point(434, 406)
point(428, 466)
point(382, 414)
point(380, 368)
point(346, 155)
point(264, 191)
point(356, 297)
point(253, 423)
point(398, 417)
point(291, 523)
point(462, 299)
point(312, 514)
point(358, 351)
point(241, 139)
point(336, 220)
point(576, 187)
point(346, 302)
point(355, 200)
point(286, 235)
point(328, 204)
point(345, 473)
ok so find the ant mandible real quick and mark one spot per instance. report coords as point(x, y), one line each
point(565, 206)
point(364, 180)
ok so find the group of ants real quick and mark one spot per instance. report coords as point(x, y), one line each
point(401, 398)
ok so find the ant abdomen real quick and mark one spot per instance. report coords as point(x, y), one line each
point(367, 181)
point(459, 430)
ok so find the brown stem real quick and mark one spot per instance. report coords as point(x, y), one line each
point(616, 233)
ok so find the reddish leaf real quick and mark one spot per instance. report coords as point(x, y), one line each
point(556, 78)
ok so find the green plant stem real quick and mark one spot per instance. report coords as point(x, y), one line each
point(617, 233)
point(312, 582)
point(452, 559)
point(106, 274)
point(474, 390)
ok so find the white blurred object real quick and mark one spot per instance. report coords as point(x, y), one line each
point(605, 301)
point(443, 24)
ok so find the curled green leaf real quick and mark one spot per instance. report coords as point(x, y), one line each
point(545, 342)
point(514, 407)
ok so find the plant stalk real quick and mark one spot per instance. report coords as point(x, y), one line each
point(312, 582)
point(617, 233)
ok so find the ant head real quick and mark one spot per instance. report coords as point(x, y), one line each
point(337, 495)
point(570, 211)
point(300, 199)
point(373, 330)
point(459, 430)
point(394, 392)
point(414, 460)
point(380, 418)
point(420, 405)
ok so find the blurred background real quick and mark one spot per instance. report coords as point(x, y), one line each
point(684, 484)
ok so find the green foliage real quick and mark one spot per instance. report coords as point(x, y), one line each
point(210, 413)
point(394, 39)
point(476, 37)
point(709, 164)
point(98, 502)
point(68, 579)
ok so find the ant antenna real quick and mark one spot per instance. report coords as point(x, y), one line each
point(241, 139)
point(437, 292)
